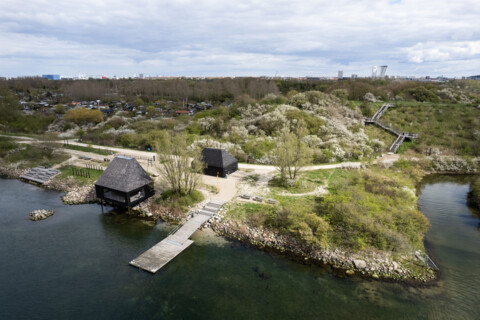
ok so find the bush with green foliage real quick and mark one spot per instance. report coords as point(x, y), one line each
point(374, 208)
point(423, 94)
point(83, 116)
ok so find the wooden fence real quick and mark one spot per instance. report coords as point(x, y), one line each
point(81, 172)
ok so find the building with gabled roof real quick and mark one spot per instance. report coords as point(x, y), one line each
point(124, 183)
point(218, 162)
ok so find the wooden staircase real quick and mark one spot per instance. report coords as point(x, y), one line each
point(401, 136)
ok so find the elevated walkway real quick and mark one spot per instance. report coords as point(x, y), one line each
point(382, 110)
point(401, 136)
point(163, 252)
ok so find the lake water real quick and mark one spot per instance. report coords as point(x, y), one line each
point(74, 265)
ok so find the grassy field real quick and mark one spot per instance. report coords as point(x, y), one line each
point(453, 128)
point(175, 201)
point(30, 155)
point(68, 171)
point(102, 152)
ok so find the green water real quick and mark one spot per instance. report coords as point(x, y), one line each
point(74, 265)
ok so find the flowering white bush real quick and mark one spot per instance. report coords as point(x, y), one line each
point(120, 131)
point(312, 141)
point(206, 123)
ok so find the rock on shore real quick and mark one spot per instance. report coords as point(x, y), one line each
point(74, 194)
point(374, 264)
point(40, 214)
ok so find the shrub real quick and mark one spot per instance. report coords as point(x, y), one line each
point(83, 116)
point(340, 93)
point(313, 123)
point(423, 94)
point(181, 201)
point(373, 209)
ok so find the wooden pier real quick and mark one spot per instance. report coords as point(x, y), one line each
point(167, 249)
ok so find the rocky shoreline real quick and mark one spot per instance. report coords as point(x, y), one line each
point(11, 173)
point(373, 264)
point(74, 193)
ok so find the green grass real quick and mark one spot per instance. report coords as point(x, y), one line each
point(102, 152)
point(301, 185)
point(308, 181)
point(364, 209)
point(31, 155)
point(241, 211)
point(180, 201)
point(453, 128)
point(67, 171)
point(326, 176)
point(374, 132)
point(6, 145)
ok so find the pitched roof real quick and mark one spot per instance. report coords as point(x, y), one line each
point(217, 157)
point(124, 174)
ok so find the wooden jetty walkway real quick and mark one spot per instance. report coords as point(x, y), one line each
point(401, 136)
point(163, 252)
point(40, 174)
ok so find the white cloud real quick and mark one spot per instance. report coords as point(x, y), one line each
point(443, 51)
point(216, 37)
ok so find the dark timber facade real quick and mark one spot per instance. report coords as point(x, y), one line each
point(218, 161)
point(124, 183)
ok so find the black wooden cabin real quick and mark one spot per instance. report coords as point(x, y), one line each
point(124, 183)
point(218, 161)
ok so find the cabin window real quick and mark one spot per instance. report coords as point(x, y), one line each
point(114, 195)
point(138, 195)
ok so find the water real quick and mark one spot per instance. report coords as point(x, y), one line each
point(74, 265)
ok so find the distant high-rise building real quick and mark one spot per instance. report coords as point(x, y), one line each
point(340, 74)
point(374, 72)
point(51, 76)
point(383, 70)
point(140, 75)
point(354, 76)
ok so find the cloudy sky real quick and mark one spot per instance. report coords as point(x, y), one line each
point(239, 37)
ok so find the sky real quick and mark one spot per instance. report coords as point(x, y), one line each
point(239, 37)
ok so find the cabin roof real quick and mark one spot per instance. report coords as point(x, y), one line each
point(124, 174)
point(217, 157)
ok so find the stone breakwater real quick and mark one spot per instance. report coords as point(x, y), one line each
point(373, 264)
point(74, 194)
point(40, 214)
point(12, 173)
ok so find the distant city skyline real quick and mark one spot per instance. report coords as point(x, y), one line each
point(248, 38)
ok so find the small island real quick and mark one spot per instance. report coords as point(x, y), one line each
point(40, 214)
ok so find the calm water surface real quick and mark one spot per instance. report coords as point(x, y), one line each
point(74, 265)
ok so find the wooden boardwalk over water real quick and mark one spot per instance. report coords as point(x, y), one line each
point(167, 249)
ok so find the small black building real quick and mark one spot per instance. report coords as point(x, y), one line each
point(218, 161)
point(124, 183)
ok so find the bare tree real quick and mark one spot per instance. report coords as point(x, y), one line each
point(290, 156)
point(180, 165)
